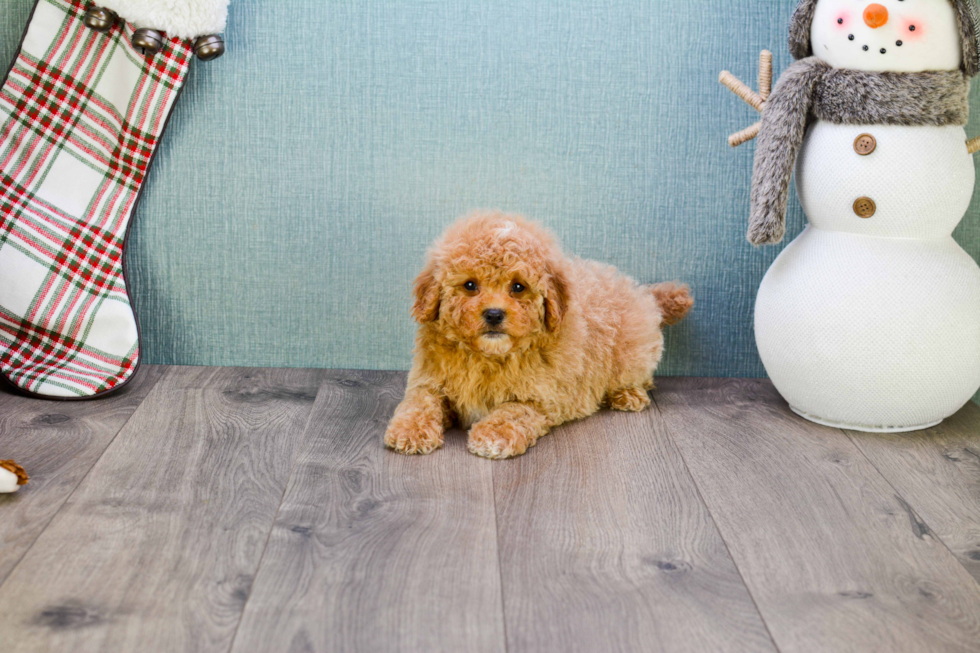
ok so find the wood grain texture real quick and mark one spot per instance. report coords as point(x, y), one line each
point(157, 548)
point(375, 551)
point(834, 559)
point(58, 442)
point(937, 472)
point(669, 530)
point(605, 545)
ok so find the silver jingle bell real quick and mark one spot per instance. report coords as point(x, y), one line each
point(148, 41)
point(100, 19)
point(210, 47)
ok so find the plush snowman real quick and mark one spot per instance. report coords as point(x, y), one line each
point(870, 319)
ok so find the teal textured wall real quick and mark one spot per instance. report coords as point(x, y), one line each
point(304, 173)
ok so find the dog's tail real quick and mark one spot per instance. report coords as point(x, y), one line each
point(675, 300)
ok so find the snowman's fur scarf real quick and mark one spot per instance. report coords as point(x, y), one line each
point(967, 16)
point(580, 336)
point(185, 19)
point(813, 89)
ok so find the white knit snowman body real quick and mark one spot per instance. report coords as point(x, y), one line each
point(872, 322)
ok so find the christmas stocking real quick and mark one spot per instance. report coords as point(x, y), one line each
point(82, 111)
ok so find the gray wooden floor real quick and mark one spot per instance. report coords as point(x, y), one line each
point(208, 509)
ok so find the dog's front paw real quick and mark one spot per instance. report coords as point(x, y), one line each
point(414, 436)
point(497, 439)
point(631, 400)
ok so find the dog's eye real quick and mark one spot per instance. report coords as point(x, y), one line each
point(518, 288)
point(470, 286)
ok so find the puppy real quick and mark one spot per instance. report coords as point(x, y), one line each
point(515, 338)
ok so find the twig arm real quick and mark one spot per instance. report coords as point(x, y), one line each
point(765, 74)
point(733, 84)
point(973, 145)
point(755, 100)
point(745, 135)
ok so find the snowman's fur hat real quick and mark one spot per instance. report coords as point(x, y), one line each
point(967, 14)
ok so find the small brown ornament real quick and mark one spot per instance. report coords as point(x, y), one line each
point(210, 47)
point(100, 19)
point(148, 41)
point(15, 469)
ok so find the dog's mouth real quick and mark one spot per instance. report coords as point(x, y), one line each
point(494, 343)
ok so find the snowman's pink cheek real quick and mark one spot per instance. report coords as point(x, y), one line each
point(842, 21)
point(912, 30)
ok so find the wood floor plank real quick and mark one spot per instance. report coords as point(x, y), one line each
point(372, 550)
point(834, 559)
point(58, 442)
point(157, 547)
point(938, 473)
point(605, 545)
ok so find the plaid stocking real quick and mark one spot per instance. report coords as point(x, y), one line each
point(81, 114)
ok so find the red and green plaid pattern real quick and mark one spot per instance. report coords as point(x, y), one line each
point(81, 114)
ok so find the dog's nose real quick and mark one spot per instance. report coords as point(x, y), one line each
point(493, 316)
point(875, 16)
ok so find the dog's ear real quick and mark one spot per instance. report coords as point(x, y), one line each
point(556, 299)
point(426, 306)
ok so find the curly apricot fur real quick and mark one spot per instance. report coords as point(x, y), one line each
point(576, 335)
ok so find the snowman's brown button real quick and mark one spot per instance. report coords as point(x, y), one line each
point(865, 207)
point(865, 144)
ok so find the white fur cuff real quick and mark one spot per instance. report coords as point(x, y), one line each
point(184, 19)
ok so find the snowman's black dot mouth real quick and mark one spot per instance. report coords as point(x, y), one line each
point(883, 51)
point(898, 43)
point(850, 37)
point(865, 48)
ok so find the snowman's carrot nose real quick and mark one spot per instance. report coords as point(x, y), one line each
point(875, 16)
